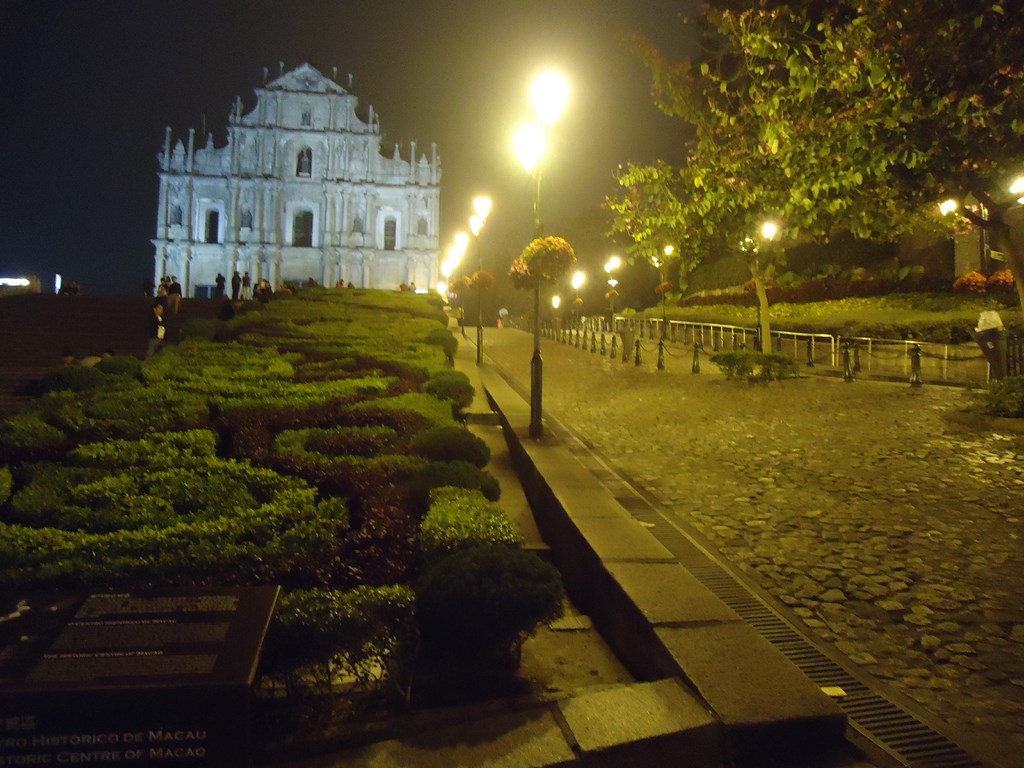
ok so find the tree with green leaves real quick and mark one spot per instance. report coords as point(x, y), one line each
point(862, 119)
point(791, 123)
point(961, 65)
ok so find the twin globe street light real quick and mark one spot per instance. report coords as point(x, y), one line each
point(549, 94)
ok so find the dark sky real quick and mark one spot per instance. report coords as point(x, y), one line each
point(87, 86)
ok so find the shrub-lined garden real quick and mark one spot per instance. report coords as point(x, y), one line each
point(312, 443)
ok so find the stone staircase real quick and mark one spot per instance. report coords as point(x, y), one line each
point(37, 329)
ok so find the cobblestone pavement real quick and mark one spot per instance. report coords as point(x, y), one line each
point(887, 523)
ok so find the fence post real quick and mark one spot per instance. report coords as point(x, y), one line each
point(915, 366)
point(636, 359)
point(810, 351)
point(604, 349)
point(661, 354)
point(593, 341)
point(856, 357)
point(615, 346)
point(696, 358)
point(577, 338)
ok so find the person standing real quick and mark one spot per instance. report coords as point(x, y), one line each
point(236, 285)
point(156, 330)
point(246, 286)
point(173, 294)
point(220, 282)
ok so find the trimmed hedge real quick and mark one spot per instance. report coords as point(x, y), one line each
point(450, 443)
point(460, 474)
point(452, 386)
point(367, 633)
point(460, 518)
point(290, 541)
point(476, 600)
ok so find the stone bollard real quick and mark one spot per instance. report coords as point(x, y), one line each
point(810, 352)
point(696, 358)
point(915, 366)
point(636, 358)
point(615, 347)
point(847, 368)
point(577, 343)
point(604, 349)
point(661, 354)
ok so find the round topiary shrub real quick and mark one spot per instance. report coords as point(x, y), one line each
point(443, 338)
point(453, 386)
point(120, 365)
point(482, 599)
point(438, 474)
point(450, 443)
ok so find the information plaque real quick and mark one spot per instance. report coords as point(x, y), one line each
point(155, 678)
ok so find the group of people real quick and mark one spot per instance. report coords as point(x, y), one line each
point(241, 286)
point(169, 291)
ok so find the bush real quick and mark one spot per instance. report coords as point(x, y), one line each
point(460, 474)
point(755, 366)
point(453, 386)
point(484, 598)
point(443, 338)
point(120, 365)
point(76, 378)
point(367, 633)
point(450, 443)
point(1004, 397)
point(352, 441)
point(6, 484)
point(460, 518)
point(198, 328)
point(168, 449)
point(26, 437)
point(972, 282)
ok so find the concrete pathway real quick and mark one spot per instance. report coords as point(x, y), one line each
point(877, 514)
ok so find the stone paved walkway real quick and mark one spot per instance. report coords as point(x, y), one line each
point(880, 517)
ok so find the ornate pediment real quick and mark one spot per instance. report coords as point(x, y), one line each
point(305, 79)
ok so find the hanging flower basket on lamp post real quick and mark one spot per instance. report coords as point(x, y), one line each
point(544, 259)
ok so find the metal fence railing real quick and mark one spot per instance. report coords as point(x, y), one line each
point(941, 363)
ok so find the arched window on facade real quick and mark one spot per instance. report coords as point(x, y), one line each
point(307, 117)
point(390, 233)
point(304, 162)
point(302, 229)
point(212, 226)
point(176, 216)
point(246, 219)
point(357, 225)
point(421, 226)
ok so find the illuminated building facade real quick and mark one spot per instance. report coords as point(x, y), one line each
point(300, 190)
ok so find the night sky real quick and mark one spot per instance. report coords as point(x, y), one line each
point(87, 87)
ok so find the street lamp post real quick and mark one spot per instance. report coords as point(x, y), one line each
point(549, 93)
point(481, 208)
point(610, 266)
point(660, 264)
point(578, 278)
